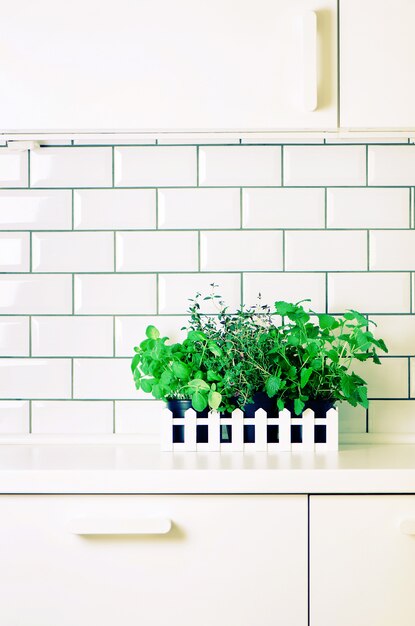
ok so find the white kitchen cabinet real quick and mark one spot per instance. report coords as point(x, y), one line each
point(362, 560)
point(377, 62)
point(186, 65)
point(112, 559)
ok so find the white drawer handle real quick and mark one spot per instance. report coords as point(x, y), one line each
point(309, 60)
point(407, 526)
point(105, 526)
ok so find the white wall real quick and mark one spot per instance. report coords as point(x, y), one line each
point(96, 241)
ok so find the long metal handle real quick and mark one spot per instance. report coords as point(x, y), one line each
point(407, 526)
point(106, 526)
point(309, 60)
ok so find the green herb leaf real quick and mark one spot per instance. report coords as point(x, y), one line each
point(272, 386)
point(305, 376)
point(180, 370)
point(146, 385)
point(152, 332)
point(136, 360)
point(199, 401)
point(214, 399)
point(298, 406)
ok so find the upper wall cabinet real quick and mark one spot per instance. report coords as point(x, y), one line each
point(182, 65)
point(377, 64)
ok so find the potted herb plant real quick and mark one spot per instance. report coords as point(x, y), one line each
point(258, 357)
point(175, 372)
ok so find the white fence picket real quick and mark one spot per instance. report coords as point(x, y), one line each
point(214, 431)
point(190, 435)
point(237, 430)
point(237, 421)
point(285, 429)
point(261, 442)
point(308, 430)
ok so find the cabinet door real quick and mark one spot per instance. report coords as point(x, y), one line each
point(139, 65)
point(377, 64)
point(362, 560)
point(107, 560)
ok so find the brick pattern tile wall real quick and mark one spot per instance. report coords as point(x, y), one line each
point(98, 241)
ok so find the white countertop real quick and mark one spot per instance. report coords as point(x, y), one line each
point(131, 468)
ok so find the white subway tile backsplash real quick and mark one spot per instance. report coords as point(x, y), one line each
point(130, 331)
point(199, 208)
point(14, 252)
point(388, 380)
point(72, 252)
point(392, 250)
point(122, 236)
point(14, 417)
point(34, 209)
point(14, 336)
point(142, 417)
point(391, 165)
point(241, 250)
point(13, 168)
point(324, 165)
point(101, 379)
point(71, 167)
point(398, 332)
point(157, 251)
point(75, 417)
point(283, 208)
point(392, 416)
point(239, 165)
point(283, 286)
point(368, 207)
point(152, 166)
point(35, 378)
point(111, 294)
point(377, 292)
point(72, 336)
point(325, 250)
point(176, 289)
point(114, 209)
point(28, 293)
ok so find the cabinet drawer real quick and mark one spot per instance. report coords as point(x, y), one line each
point(107, 560)
point(362, 556)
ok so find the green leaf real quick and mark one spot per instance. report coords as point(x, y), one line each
point(180, 370)
point(282, 308)
point(272, 386)
point(305, 376)
point(199, 401)
point(298, 406)
point(157, 391)
point(211, 376)
point(280, 404)
point(333, 355)
point(152, 332)
point(197, 384)
point(214, 399)
point(362, 393)
point(166, 378)
point(327, 321)
point(360, 319)
point(214, 348)
point(195, 335)
point(146, 385)
point(136, 360)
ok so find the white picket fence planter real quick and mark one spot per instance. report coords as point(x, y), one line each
point(284, 421)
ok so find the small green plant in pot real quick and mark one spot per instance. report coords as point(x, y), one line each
point(175, 372)
point(315, 359)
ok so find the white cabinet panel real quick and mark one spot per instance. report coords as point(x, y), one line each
point(226, 560)
point(163, 65)
point(377, 53)
point(362, 563)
